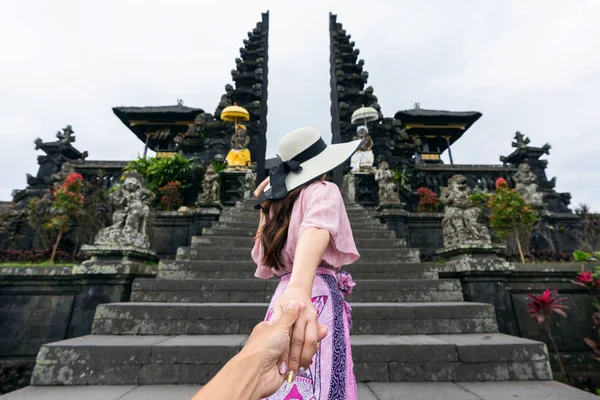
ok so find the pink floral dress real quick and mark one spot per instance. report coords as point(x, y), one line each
point(331, 375)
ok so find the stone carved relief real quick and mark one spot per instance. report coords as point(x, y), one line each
point(388, 193)
point(210, 187)
point(460, 225)
point(249, 184)
point(132, 208)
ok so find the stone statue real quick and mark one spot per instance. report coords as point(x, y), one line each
point(227, 98)
point(132, 208)
point(526, 185)
point(387, 188)
point(210, 187)
point(239, 155)
point(363, 159)
point(461, 224)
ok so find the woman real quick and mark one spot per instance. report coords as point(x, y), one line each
point(304, 237)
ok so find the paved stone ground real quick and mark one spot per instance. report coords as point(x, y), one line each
point(366, 391)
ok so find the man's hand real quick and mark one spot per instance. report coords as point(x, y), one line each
point(268, 343)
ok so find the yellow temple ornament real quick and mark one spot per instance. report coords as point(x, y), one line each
point(234, 114)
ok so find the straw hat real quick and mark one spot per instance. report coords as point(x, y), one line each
point(305, 157)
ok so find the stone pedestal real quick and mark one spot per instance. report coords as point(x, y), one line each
point(391, 209)
point(233, 186)
point(106, 260)
point(365, 189)
point(174, 229)
point(472, 258)
point(213, 209)
point(394, 217)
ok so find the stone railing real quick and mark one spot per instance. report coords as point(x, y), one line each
point(435, 176)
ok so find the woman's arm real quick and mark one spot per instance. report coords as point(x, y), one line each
point(260, 222)
point(310, 248)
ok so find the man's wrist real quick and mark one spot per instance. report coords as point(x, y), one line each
point(247, 365)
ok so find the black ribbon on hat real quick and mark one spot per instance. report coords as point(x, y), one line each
point(278, 188)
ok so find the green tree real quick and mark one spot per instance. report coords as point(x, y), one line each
point(510, 215)
point(67, 202)
point(158, 172)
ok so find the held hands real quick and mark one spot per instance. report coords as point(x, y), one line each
point(270, 341)
point(305, 334)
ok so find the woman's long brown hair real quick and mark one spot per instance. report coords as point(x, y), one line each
point(274, 232)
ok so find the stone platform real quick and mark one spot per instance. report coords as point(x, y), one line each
point(409, 325)
point(366, 391)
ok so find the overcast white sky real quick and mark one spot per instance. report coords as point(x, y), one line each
point(529, 65)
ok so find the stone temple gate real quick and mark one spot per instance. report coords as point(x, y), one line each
point(410, 142)
point(418, 326)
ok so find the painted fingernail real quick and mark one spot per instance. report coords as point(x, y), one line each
point(292, 305)
point(282, 368)
point(290, 377)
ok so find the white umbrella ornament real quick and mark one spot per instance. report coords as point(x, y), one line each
point(364, 115)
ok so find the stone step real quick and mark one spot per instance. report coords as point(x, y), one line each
point(357, 233)
point(253, 215)
point(240, 318)
point(184, 359)
point(257, 291)
point(242, 254)
point(253, 219)
point(177, 269)
point(240, 241)
point(530, 390)
point(252, 225)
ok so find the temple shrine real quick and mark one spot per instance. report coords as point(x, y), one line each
point(435, 303)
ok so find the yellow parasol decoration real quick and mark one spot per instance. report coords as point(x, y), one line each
point(234, 114)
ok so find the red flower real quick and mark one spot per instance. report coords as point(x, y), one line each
point(586, 277)
point(543, 305)
point(73, 178)
point(428, 200)
point(587, 280)
point(501, 182)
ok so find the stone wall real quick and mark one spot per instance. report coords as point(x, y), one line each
point(507, 290)
point(46, 304)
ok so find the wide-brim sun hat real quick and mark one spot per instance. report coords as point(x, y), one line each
point(304, 157)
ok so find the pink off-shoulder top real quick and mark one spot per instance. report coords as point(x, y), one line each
point(319, 205)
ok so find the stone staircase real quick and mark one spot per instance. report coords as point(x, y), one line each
point(408, 325)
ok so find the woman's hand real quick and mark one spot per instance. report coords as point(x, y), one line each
point(269, 340)
point(306, 332)
point(255, 373)
point(260, 188)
